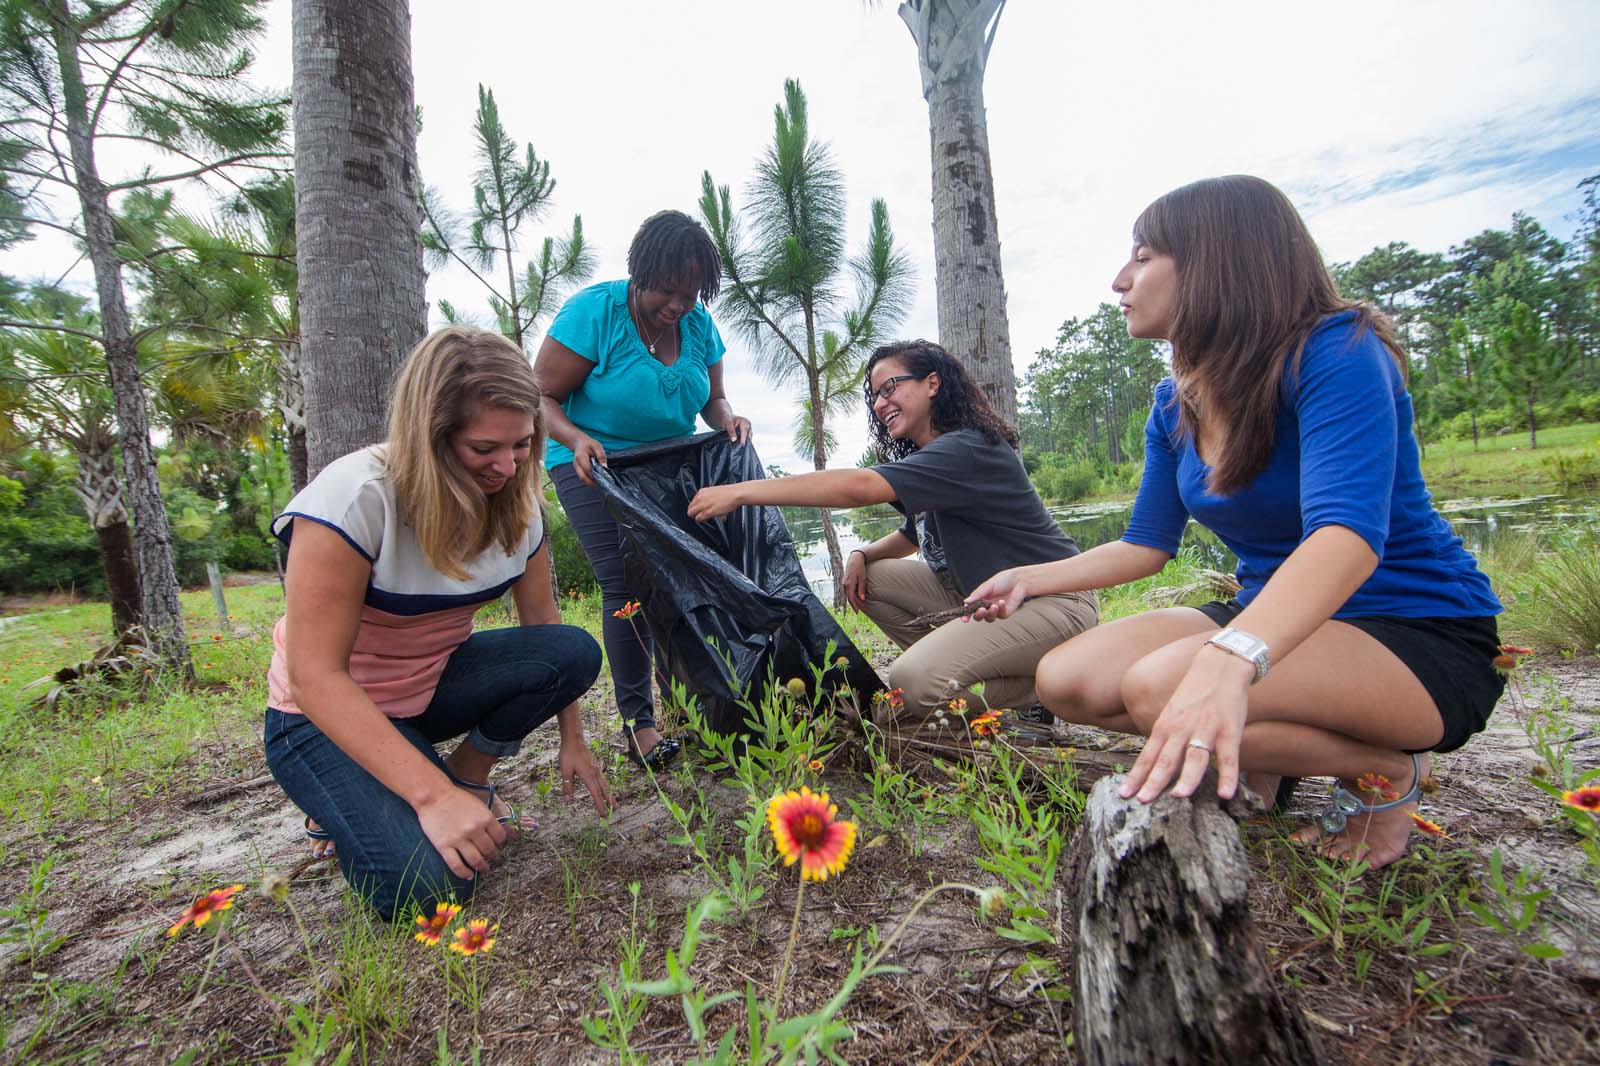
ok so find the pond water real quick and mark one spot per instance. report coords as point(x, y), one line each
point(1479, 521)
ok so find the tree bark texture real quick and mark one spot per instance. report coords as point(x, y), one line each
point(357, 216)
point(100, 491)
point(1166, 968)
point(952, 38)
point(159, 609)
point(292, 409)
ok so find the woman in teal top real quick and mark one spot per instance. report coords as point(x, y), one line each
point(632, 362)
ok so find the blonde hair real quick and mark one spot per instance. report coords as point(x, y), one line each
point(444, 379)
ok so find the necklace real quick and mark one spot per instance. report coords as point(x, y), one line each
point(638, 317)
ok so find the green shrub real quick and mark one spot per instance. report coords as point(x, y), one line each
point(573, 572)
point(46, 543)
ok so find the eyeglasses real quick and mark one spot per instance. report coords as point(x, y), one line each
point(884, 391)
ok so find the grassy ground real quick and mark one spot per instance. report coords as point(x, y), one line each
point(1455, 468)
point(118, 807)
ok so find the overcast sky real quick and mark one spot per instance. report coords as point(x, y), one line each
point(1422, 122)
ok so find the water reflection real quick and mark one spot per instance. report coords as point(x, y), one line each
point(1480, 522)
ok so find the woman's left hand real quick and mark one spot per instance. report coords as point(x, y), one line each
point(738, 427)
point(577, 762)
point(713, 501)
point(1204, 717)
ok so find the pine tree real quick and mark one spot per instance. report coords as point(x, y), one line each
point(166, 75)
point(782, 286)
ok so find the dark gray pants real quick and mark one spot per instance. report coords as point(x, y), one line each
point(628, 648)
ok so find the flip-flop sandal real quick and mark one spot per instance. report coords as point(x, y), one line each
point(1344, 804)
point(654, 760)
point(315, 834)
point(509, 819)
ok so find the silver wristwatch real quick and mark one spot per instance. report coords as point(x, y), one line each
point(1249, 648)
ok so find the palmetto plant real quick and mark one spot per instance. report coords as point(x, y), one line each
point(785, 281)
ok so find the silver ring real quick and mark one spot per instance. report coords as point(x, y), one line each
point(1196, 742)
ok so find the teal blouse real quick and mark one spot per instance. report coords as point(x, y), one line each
point(629, 398)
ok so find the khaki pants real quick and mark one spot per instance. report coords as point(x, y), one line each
point(939, 663)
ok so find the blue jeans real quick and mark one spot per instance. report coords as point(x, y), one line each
point(498, 687)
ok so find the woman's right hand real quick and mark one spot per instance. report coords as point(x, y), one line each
point(586, 451)
point(462, 829)
point(855, 579)
point(1005, 592)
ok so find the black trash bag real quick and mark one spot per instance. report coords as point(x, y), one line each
point(727, 602)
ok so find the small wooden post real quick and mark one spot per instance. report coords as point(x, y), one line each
point(1165, 963)
point(214, 572)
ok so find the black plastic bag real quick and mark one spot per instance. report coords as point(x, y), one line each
point(726, 601)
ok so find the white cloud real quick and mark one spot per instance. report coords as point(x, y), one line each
point(1424, 122)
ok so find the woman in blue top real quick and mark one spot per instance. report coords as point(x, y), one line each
point(1286, 429)
point(625, 363)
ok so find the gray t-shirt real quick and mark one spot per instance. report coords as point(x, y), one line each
point(980, 513)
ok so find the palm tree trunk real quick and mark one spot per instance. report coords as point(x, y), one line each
point(953, 38)
point(357, 216)
point(100, 493)
point(159, 609)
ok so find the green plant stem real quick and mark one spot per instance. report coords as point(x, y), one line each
point(788, 951)
point(883, 949)
point(249, 971)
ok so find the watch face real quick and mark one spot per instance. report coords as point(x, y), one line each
point(1243, 643)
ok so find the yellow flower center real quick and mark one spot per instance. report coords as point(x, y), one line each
point(809, 832)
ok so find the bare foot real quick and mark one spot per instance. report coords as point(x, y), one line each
point(1264, 785)
point(1378, 837)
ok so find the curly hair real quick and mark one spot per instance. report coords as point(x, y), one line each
point(959, 403)
point(668, 245)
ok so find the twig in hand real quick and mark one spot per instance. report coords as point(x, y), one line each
point(949, 614)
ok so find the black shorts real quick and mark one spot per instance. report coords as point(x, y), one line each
point(1452, 657)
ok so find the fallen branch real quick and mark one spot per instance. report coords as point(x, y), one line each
point(232, 788)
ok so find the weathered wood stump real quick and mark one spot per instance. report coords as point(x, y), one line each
point(1166, 967)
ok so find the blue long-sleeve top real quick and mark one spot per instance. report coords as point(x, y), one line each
point(1343, 454)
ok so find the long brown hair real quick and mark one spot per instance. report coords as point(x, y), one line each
point(1251, 286)
point(446, 377)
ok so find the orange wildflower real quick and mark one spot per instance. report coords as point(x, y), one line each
point(202, 909)
point(986, 724)
point(1584, 799)
point(1378, 785)
point(432, 928)
point(627, 610)
point(816, 765)
point(959, 705)
point(477, 935)
point(805, 828)
point(1512, 649)
point(1433, 829)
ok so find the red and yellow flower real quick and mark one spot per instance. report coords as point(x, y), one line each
point(816, 765)
point(959, 705)
point(205, 907)
point(627, 610)
point(1584, 799)
point(431, 928)
point(474, 937)
point(986, 724)
point(806, 829)
point(1431, 828)
point(1377, 785)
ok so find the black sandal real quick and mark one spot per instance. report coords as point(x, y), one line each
point(654, 760)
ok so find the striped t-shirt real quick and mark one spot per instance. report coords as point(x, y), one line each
point(412, 616)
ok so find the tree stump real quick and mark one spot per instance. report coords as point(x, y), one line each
point(1166, 968)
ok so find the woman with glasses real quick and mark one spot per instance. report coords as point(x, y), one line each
point(950, 465)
